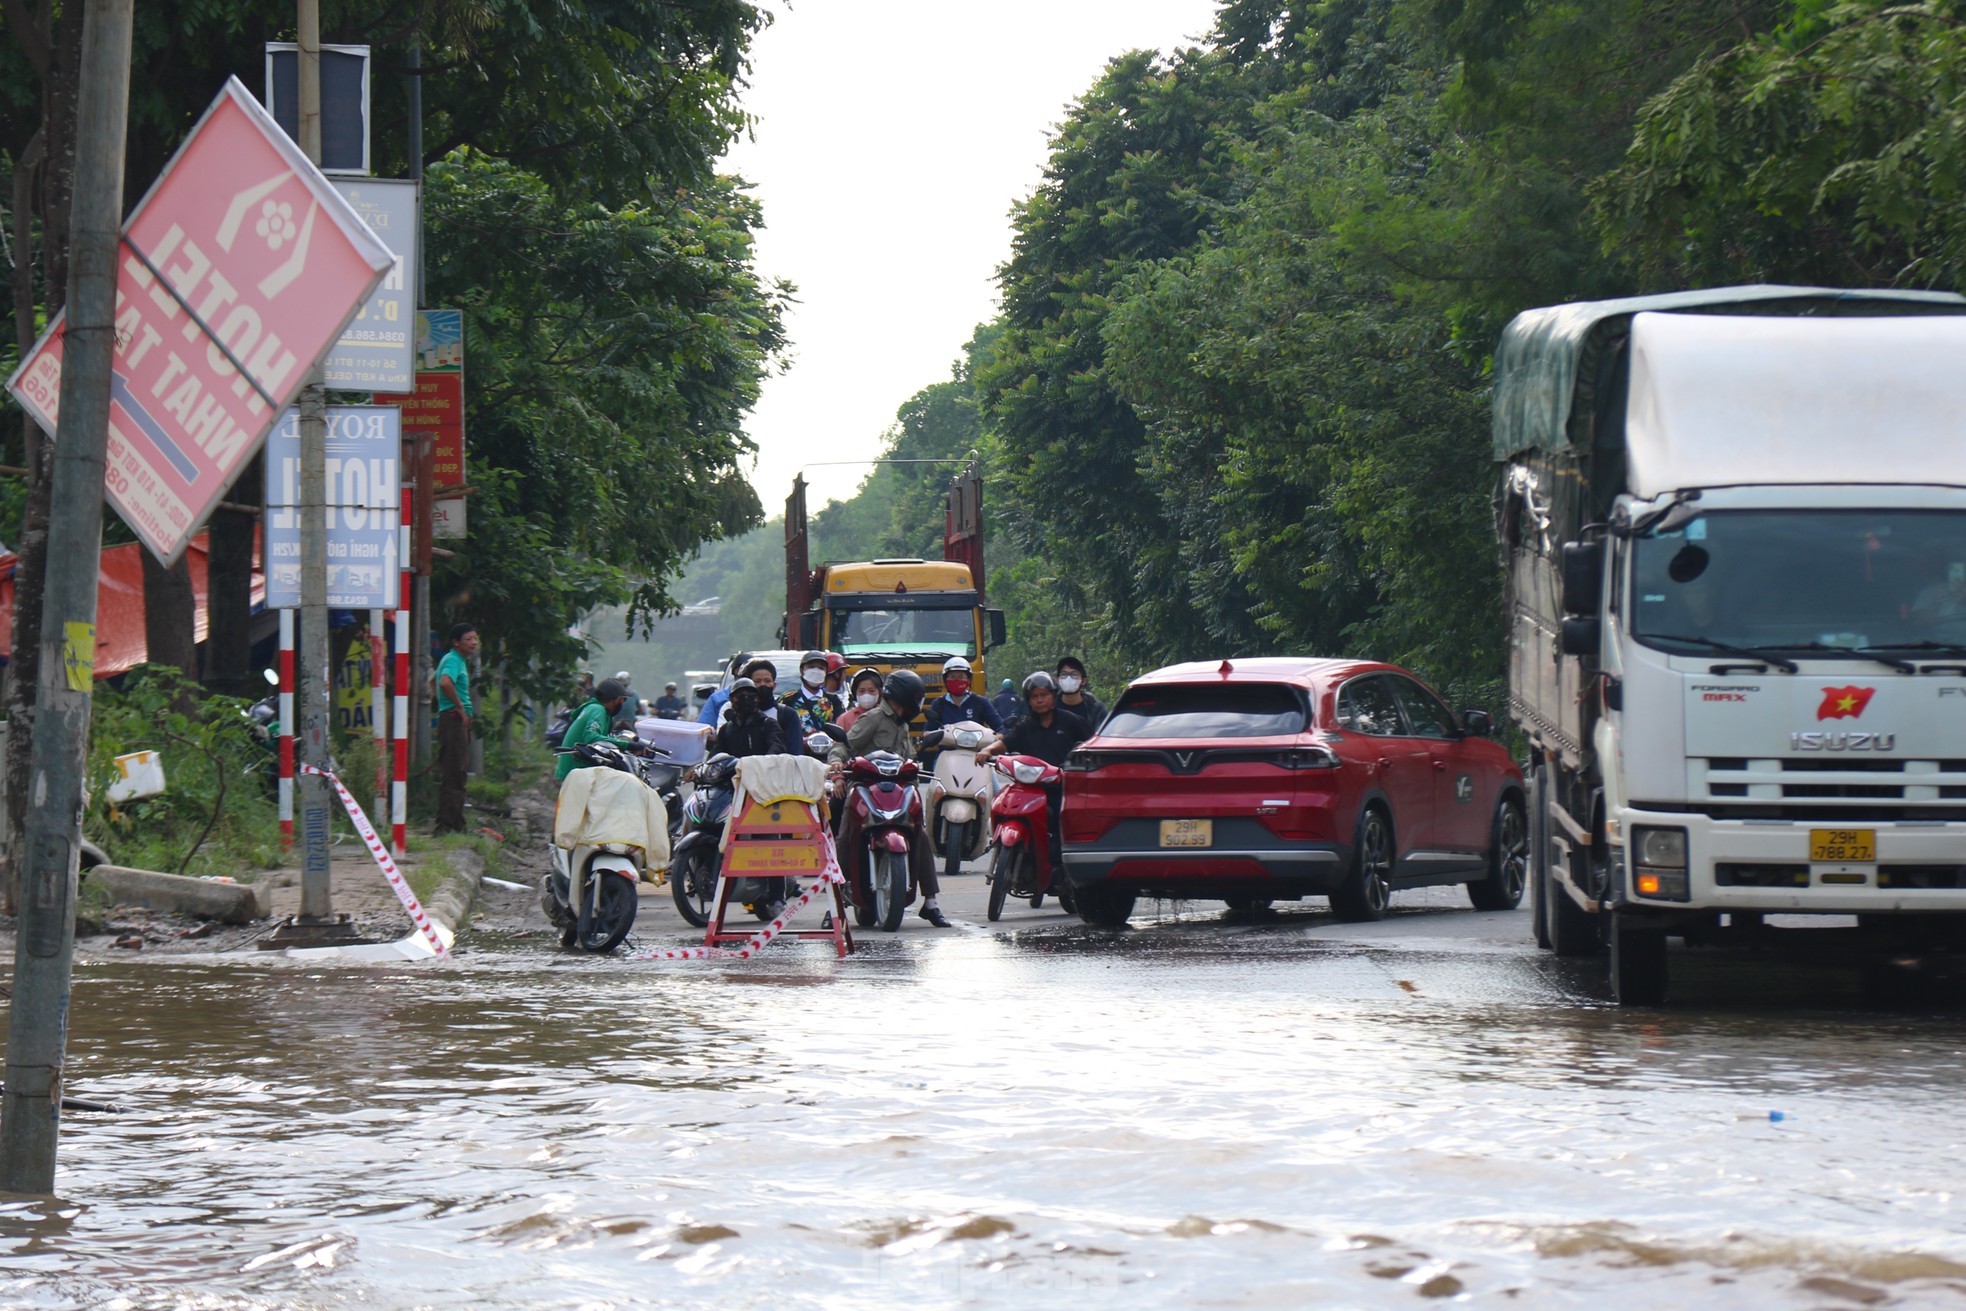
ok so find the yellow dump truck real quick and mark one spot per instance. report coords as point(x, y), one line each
point(901, 613)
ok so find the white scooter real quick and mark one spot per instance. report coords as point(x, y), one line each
point(959, 796)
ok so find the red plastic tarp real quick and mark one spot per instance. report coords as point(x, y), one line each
point(120, 642)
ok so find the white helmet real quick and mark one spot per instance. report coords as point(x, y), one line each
point(955, 665)
point(621, 676)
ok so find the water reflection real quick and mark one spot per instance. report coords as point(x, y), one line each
point(1186, 1111)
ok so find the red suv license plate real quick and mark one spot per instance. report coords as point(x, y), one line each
point(1187, 832)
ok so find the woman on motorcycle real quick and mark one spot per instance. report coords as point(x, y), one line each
point(864, 693)
point(885, 728)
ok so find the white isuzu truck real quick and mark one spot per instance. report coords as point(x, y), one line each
point(1734, 528)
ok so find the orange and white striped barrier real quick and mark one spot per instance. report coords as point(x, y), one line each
point(388, 866)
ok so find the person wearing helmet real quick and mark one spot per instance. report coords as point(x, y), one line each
point(1048, 730)
point(631, 706)
point(590, 724)
point(835, 671)
point(1005, 701)
point(713, 708)
point(863, 694)
point(957, 703)
point(1075, 696)
point(748, 730)
point(814, 706)
point(885, 728)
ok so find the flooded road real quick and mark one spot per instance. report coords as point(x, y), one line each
point(1196, 1111)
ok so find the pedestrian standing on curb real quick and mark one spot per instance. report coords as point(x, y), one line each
point(455, 711)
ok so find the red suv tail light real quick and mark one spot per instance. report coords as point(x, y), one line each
point(1308, 758)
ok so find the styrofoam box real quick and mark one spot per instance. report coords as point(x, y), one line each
point(140, 774)
point(686, 741)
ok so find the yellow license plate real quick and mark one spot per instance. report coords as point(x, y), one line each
point(1187, 832)
point(772, 857)
point(1843, 846)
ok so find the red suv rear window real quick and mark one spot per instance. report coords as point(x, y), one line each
point(1208, 710)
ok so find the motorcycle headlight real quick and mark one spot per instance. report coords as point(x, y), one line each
point(1027, 773)
point(969, 741)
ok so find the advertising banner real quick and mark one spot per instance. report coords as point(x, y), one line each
point(239, 269)
point(377, 352)
point(364, 508)
point(344, 101)
point(437, 405)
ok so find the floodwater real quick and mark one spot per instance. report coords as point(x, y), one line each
point(1196, 1112)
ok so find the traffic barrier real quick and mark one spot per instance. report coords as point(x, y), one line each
point(382, 860)
point(823, 885)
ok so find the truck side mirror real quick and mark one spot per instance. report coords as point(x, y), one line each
point(1583, 578)
point(1582, 635)
point(809, 629)
point(997, 637)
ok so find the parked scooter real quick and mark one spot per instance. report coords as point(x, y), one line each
point(886, 807)
point(695, 858)
point(959, 796)
point(1021, 863)
point(594, 906)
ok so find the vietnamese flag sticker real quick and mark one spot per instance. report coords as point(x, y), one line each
point(1844, 702)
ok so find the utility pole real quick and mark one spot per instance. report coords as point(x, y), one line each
point(316, 916)
point(37, 1034)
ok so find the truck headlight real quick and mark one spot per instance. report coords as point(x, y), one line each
point(1659, 863)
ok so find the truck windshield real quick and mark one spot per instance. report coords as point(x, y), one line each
point(1803, 580)
point(880, 632)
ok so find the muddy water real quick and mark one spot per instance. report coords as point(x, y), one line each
point(1192, 1115)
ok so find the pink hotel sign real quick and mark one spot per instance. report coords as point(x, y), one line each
point(241, 239)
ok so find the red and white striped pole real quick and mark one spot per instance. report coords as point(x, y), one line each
point(286, 730)
point(378, 718)
point(399, 792)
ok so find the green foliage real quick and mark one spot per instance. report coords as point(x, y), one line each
point(614, 352)
point(217, 814)
point(1832, 150)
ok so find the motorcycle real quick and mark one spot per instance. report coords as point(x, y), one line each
point(1021, 863)
point(593, 911)
point(960, 792)
point(694, 856)
point(886, 807)
point(263, 723)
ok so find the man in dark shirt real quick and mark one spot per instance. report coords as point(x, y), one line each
point(1075, 696)
point(1048, 732)
point(669, 705)
point(957, 703)
point(747, 729)
point(1005, 701)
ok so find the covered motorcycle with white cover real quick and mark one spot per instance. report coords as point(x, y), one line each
point(610, 832)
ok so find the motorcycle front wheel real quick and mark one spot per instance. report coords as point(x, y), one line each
point(1003, 873)
point(890, 876)
point(609, 914)
point(956, 842)
point(693, 883)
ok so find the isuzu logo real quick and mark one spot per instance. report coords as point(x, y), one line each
point(1844, 702)
point(1826, 741)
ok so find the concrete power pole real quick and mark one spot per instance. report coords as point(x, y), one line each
point(37, 1034)
point(316, 916)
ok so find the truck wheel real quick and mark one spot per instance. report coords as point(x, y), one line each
point(1508, 860)
point(1573, 930)
point(1638, 964)
point(1539, 855)
point(1367, 891)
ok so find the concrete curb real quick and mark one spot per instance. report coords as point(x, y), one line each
point(205, 899)
point(450, 904)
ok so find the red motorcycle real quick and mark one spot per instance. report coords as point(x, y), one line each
point(884, 808)
point(1020, 835)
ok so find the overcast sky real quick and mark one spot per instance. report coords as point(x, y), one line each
point(893, 137)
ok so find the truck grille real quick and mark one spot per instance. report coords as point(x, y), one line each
point(1882, 789)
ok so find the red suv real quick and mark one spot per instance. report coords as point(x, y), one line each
point(1251, 781)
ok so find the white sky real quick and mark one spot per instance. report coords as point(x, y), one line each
point(893, 138)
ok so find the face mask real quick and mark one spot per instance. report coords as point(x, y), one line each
point(1070, 683)
point(813, 676)
point(867, 700)
point(956, 687)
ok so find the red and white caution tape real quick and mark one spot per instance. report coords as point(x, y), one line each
point(757, 942)
point(388, 866)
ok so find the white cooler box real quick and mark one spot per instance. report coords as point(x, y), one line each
point(686, 741)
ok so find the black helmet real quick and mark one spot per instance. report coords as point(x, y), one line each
point(904, 688)
point(608, 689)
point(862, 675)
point(744, 696)
point(1039, 679)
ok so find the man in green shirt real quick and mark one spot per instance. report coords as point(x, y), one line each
point(455, 711)
point(591, 723)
